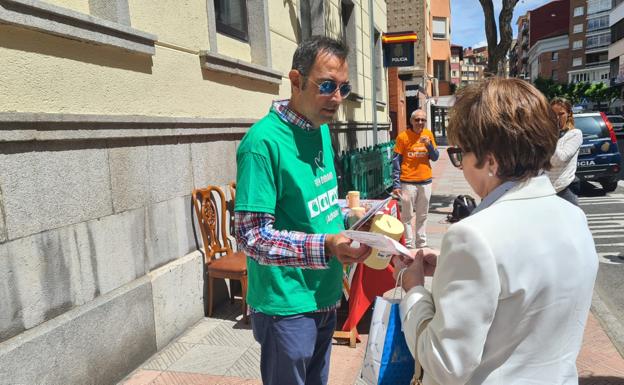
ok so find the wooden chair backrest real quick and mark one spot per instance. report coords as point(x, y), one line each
point(210, 208)
point(230, 206)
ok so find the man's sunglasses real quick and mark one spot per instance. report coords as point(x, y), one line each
point(328, 87)
point(455, 155)
point(419, 120)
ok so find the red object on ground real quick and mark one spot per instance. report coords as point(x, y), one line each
point(368, 283)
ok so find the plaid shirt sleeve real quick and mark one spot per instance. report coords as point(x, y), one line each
point(257, 238)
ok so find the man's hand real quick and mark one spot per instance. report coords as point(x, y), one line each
point(340, 246)
point(425, 140)
point(397, 192)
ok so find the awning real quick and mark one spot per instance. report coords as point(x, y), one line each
point(443, 101)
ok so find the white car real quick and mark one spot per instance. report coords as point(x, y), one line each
point(617, 121)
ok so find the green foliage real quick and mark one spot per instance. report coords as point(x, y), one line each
point(575, 92)
point(600, 92)
point(549, 87)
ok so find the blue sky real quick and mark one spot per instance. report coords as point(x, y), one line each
point(467, 25)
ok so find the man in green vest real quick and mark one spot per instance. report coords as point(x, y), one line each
point(288, 219)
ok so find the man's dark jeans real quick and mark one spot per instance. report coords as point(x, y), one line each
point(295, 349)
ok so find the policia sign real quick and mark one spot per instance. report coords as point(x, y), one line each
point(398, 49)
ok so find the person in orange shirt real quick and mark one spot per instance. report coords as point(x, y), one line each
point(411, 172)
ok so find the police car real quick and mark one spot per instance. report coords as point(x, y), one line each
point(599, 159)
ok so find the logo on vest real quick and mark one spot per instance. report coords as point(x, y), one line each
point(323, 202)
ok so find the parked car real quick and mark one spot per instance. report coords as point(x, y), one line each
point(599, 159)
point(617, 121)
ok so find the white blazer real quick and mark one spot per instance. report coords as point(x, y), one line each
point(510, 294)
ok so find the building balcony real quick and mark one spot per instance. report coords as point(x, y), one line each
point(597, 63)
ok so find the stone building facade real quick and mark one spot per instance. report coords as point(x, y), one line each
point(112, 112)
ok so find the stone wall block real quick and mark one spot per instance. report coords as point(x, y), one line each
point(169, 168)
point(42, 279)
point(98, 343)
point(169, 233)
point(178, 297)
point(214, 163)
point(48, 186)
point(47, 274)
point(117, 249)
point(130, 178)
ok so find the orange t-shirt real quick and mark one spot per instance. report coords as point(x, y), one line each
point(415, 166)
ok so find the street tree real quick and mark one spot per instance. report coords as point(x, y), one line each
point(549, 87)
point(497, 49)
point(599, 93)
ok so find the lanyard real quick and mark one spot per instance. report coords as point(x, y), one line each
point(494, 195)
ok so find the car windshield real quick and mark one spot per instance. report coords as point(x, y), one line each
point(591, 126)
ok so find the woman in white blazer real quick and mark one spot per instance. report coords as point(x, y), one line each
point(513, 282)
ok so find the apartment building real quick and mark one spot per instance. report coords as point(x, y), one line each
point(112, 112)
point(616, 49)
point(472, 67)
point(549, 53)
point(457, 56)
point(520, 57)
point(590, 37)
point(411, 87)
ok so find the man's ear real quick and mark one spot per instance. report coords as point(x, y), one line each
point(295, 79)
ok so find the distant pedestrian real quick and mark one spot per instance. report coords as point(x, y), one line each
point(513, 282)
point(288, 220)
point(412, 177)
point(563, 161)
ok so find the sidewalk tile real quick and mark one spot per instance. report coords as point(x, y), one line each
point(142, 377)
point(181, 378)
point(207, 359)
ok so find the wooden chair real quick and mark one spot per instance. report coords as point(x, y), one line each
point(221, 261)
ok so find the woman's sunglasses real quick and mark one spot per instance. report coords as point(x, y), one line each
point(455, 155)
point(328, 87)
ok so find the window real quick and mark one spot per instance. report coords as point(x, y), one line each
point(554, 75)
point(439, 69)
point(598, 40)
point(231, 18)
point(598, 23)
point(554, 56)
point(378, 66)
point(349, 37)
point(577, 44)
point(578, 28)
point(579, 11)
point(596, 58)
point(439, 28)
point(604, 76)
point(577, 62)
point(595, 6)
point(617, 31)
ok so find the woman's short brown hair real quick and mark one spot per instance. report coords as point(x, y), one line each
point(508, 118)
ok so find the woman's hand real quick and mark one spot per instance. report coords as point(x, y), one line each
point(423, 263)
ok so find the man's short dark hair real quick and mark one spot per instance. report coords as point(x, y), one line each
point(308, 50)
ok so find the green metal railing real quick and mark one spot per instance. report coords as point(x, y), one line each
point(367, 170)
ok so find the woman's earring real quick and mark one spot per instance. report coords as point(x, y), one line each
point(490, 173)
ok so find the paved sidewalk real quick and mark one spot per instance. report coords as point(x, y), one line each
point(221, 350)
